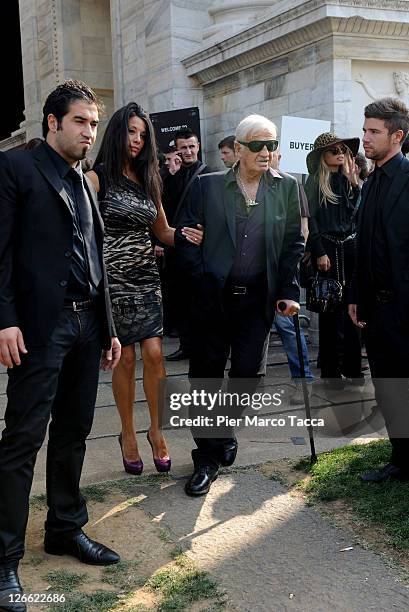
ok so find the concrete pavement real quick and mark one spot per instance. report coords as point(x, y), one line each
point(267, 549)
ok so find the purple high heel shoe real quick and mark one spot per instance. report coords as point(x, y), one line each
point(130, 467)
point(161, 465)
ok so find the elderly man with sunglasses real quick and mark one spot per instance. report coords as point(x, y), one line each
point(246, 265)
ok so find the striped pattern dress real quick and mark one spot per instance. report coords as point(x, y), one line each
point(133, 275)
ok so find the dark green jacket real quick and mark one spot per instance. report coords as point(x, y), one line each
point(211, 202)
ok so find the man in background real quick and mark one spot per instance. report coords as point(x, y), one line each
point(226, 150)
point(173, 160)
point(172, 165)
point(285, 325)
point(176, 188)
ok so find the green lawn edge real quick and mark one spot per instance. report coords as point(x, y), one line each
point(336, 476)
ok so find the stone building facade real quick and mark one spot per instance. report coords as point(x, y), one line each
point(322, 59)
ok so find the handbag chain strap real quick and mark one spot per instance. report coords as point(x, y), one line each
point(340, 259)
point(339, 244)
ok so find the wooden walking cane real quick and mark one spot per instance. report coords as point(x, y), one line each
point(282, 306)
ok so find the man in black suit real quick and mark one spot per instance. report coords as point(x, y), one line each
point(175, 190)
point(55, 319)
point(246, 264)
point(380, 293)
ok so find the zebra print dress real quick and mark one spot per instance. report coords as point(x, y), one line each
point(133, 276)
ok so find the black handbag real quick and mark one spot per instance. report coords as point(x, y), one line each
point(323, 294)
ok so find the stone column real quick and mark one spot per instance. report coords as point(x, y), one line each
point(39, 23)
point(86, 52)
point(128, 51)
point(151, 37)
point(342, 83)
point(63, 39)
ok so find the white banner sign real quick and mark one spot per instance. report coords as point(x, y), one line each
point(297, 140)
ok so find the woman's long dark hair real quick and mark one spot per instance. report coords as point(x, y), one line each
point(114, 152)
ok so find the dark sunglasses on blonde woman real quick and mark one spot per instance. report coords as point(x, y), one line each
point(255, 146)
point(338, 150)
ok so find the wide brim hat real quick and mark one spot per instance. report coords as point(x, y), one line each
point(326, 141)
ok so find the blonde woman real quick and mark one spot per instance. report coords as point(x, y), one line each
point(332, 191)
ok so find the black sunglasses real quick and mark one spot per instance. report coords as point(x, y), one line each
point(255, 146)
point(338, 150)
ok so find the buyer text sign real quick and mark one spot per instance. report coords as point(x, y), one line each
point(297, 140)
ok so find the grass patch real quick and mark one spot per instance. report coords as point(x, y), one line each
point(123, 575)
point(336, 476)
point(277, 477)
point(133, 485)
point(100, 491)
point(176, 552)
point(38, 501)
point(97, 492)
point(182, 584)
point(165, 536)
point(35, 561)
point(99, 601)
point(62, 581)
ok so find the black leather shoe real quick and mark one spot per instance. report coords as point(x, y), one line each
point(177, 355)
point(83, 548)
point(228, 455)
point(385, 473)
point(10, 587)
point(200, 481)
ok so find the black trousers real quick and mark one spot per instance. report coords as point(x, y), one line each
point(227, 323)
point(179, 299)
point(387, 345)
point(59, 379)
point(339, 345)
point(168, 305)
point(339, 338)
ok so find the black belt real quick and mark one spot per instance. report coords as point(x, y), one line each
point(246, 289)
point(81, 305)
point(384, 296)
point(238, 289)
point(339, 238)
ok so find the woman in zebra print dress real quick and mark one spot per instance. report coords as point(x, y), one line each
point(126, 176)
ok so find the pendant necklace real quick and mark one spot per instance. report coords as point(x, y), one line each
point(250, 202)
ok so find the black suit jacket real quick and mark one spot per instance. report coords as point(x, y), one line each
point(36, 241)
point(395, 211)
point(211, 202)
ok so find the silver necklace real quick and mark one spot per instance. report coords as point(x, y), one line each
point(249, 201)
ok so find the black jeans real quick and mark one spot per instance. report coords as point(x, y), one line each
point(235, 324)
point(59, 379)
point(387, 345)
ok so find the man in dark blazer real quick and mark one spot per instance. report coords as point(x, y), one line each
point(175, 191)
point(55, 319)
point(245, 266)
point(379, 301)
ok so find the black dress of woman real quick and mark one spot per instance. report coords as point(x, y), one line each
point(133, 276)
point(332, 233)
